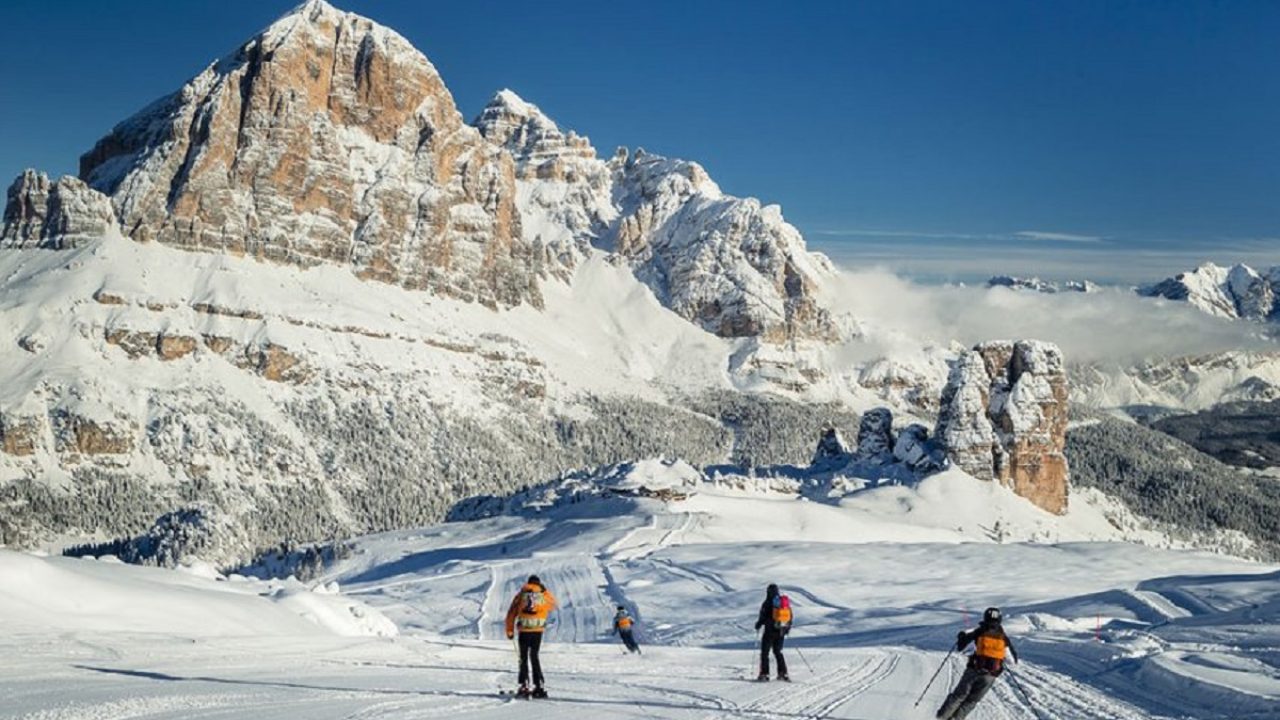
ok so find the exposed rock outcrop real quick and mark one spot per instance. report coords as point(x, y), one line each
point(875, 435)
point(273, 362)
point(79, 434)
point(174, 347)
point(53, 215)
point(20, 435)
point(831, 449)
point(914, 448)
point(881, 453)
point(325, 139)
point(1004, 418)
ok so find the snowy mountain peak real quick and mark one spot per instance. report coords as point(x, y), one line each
point(1238, 291)
point(731, 265)
point(326, 138)
point(540, 148)
point(318, 16)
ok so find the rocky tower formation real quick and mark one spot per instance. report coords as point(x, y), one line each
point(53, 215)
point(730, 264)
point(326, 138)
point(1004, 417)
point(875, 435)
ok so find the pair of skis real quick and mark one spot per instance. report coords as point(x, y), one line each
point(523, 694)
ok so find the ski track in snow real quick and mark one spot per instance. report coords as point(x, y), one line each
point(708, 580)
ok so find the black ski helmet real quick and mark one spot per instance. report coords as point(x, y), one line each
point(992, 616)
point(533, 580)
point(772, 590)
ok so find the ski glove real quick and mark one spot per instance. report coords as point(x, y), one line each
point(960, 640)
point(511, 636)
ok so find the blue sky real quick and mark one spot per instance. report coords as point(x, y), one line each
point(951, 139)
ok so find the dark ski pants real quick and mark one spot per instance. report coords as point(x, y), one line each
point(771, 641)
point(629, 639)
point(972, 686)
point(530, 643)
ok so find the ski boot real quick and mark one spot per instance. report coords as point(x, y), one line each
point(784, 677)
point(523, 692)
point(762, 677)
point(539, 692)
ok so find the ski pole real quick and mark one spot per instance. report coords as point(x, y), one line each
point(1025, 697)
point(935, 677)
point(806, 662)
point(754, 666)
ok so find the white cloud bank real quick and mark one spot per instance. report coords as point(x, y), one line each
point(1113, 325)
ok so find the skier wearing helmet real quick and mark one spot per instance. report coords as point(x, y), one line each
point(985, 665)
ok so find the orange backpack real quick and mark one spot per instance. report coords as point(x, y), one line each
point(991, 648)
point(782, 612)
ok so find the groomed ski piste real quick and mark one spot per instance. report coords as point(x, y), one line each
point(410, 624)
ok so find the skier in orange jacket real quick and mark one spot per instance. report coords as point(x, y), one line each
point(528, 614)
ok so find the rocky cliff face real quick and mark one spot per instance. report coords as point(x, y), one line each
point(1004, 418)
point(55, 215)
point(564, 190)
point(325, 139)
point(1235, 292)
point(729, 264)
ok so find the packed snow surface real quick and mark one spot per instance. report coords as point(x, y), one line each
point(880, 580)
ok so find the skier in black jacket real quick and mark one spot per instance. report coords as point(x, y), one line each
point(985, 665)
point(775, 618)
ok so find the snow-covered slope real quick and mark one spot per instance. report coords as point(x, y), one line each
point(49, 594)
point(880, 583)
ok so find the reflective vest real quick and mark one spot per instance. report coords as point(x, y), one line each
point(991, 648)
point(529, 609)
